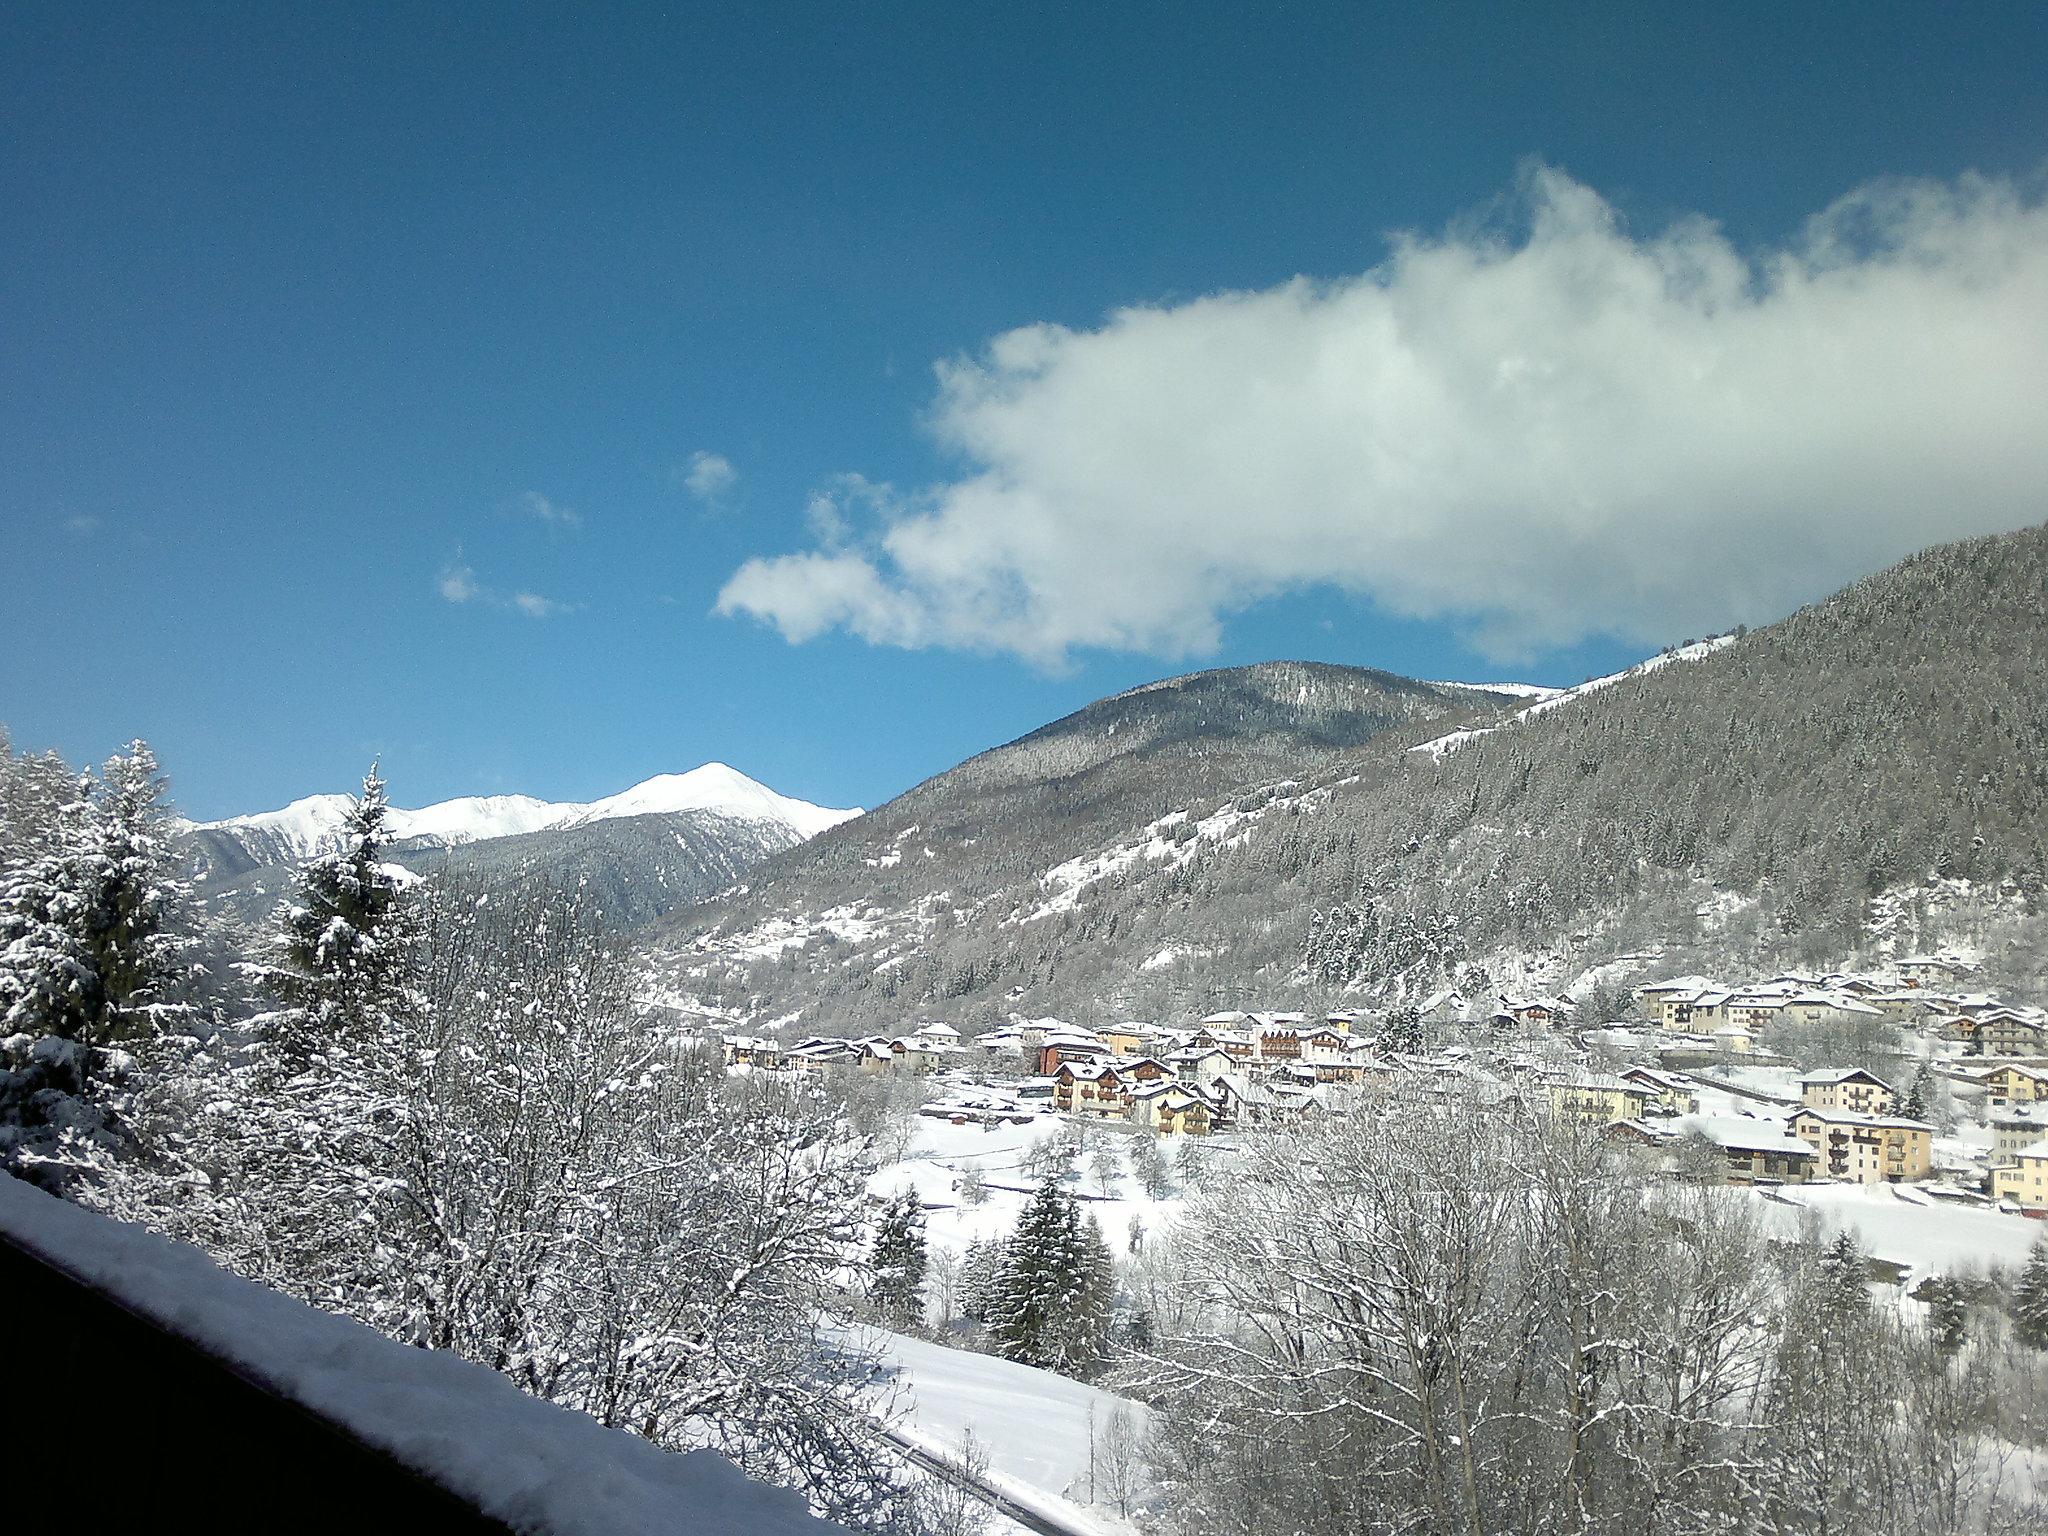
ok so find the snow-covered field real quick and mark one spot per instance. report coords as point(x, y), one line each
point(1906, 1226)
point(942, 1151)
point(1039, 1429)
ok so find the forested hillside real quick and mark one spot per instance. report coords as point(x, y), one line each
point(1872, 770)
point(635, 868)
point(909, 882)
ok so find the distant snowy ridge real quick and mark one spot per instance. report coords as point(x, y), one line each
point(308, 827)
point(1514, 690)
point(1551, 698)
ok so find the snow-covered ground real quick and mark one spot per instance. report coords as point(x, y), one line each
point(1039, 1429)
point(1044, 1433)
point(531, 1464)
point(941, 1151)
point(1906, 1226)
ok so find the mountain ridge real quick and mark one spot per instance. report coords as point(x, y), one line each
point(664, 842)
point(1870, 771)
point(307, 826)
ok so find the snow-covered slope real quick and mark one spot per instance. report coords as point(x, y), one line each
point(308, 827)
point(1550, 698)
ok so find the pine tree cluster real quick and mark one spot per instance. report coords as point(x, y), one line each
point(95, 970)
point(1045, 1295)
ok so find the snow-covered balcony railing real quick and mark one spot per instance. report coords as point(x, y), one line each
point(199, 1399)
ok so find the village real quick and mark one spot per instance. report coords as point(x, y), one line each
point(1944, 1088)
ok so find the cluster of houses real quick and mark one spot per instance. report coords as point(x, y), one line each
point(1842, 1130)
point(928, 1048)
point(1245, 1069)
point(1919, 996)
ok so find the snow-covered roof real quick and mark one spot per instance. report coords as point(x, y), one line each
point(1594, 1082)
point(1678, 984)
point(1853, 1118)
point(1662, 1079)
point(1742, 1133)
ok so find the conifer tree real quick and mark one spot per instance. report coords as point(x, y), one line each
point(94, 967)
point(325, 1090)
point(1052, 1296)
point(1402, 1032)
point(1913, 1102)
point(1087, 1340)
point(1037, 1280)
point(1841, 1287)
point(2030, 1299)
point(1948, 1313)
point(981, 1273)
point(899, 1261)
point(342, 956)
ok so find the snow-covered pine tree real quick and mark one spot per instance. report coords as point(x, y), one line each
point(981, 1275)
point(94, 968)
point(1913, 1102)
point(1088, 1341)
point(1948, 1313)
point(898, 1262)
point(322, 1091)
point(2030, 1299)
point(1841, 1287)
point(342, 957)
point(1402, 1032)
point(1039, 1281)
point(33, 791)
point(1052, 1298)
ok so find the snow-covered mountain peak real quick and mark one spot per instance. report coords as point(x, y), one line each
point(718, 788)
point(309, 826)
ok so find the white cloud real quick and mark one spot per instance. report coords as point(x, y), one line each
point(540, 509)
point(458, 583)
point(709, 476)
point(84, 525)
point(1564, 431)
point(534, 606)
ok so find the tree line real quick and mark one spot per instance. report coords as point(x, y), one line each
point(434, 1106)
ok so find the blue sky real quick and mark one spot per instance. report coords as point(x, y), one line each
point(311, 318)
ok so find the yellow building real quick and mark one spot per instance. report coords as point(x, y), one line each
point(1596, 1099)
point(1866, 1149)
point(1089, 1088)
point(1667, 1090)
point(1125, 1039)
point(2016, 1084)
point(1693, 1004)
point(1170, 1110)
point(2024, 1181)
point(1855, 1089)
